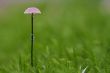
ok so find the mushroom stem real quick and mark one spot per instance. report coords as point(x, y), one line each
point(32, 39)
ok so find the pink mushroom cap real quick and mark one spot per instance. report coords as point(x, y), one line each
point(32, 10)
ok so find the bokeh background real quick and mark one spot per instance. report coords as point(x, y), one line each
point(69, 36)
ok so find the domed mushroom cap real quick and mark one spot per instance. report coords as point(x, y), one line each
point(33, 10)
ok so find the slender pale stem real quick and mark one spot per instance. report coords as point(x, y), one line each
point(32, 39)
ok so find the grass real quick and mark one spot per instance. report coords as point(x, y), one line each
point(69, 36)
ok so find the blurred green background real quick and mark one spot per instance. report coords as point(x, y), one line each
point(69, 36)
